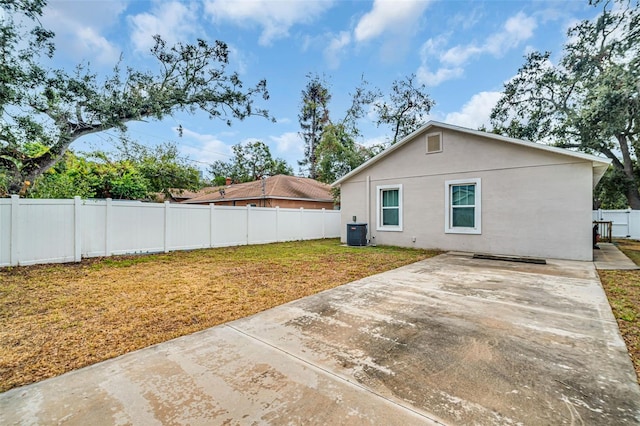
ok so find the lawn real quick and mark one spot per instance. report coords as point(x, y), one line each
point(57, 318)
point(623, 292)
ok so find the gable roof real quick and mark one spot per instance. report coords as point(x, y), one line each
point(185, 194)
point(278, 186)
point(600, 164)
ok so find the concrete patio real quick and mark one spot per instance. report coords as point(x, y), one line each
point(448, 340)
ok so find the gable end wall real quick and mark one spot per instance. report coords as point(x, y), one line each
point(534, 203)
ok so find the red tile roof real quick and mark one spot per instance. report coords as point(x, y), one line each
point(278, 186)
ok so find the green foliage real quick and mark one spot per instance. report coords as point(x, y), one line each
point(590, 99)
point(53, 108)
point(314, 116)
point(338, 153)
point(251, 161)
point(406, 108)
point(610, 191)
point(138, 173)
point(331, 150)
point(161, 166)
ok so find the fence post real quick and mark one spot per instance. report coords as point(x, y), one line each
point(212, 208)
point(248, 222)
point(277, 221)
point(300, 230)
point(323, 219)
point(166, 226)
point(107, 227)
point(77, 229)
point(13, 248)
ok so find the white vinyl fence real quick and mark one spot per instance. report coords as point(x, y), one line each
point(44, 231)
point(626, 223)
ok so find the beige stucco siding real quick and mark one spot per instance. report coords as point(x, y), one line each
point(533, 203)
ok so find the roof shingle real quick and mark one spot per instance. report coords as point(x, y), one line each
point(278, 186)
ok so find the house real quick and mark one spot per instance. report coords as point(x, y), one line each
point(178, 195)
point(453, 188)
point(273, 191)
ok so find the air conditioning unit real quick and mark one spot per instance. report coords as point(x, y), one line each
point(356, 234)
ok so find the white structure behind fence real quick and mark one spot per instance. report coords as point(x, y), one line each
point(43, 231)
point(626, 223)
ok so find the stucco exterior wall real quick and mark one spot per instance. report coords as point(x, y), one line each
point(533, 203)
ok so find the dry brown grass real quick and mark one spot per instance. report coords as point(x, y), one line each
point(623, 292)
point(57, 318)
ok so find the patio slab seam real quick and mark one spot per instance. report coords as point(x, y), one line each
point(337, 376)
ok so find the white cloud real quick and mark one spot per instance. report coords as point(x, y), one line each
point(203, 147)
point(275, 17)
point(515, 30)
point(174, 21)
point(334, 52)
point(429, 49)
point(476, 111)
point(90, 41)
point(390, 16)
point(432, 79)
point(78, 27)
point(288, 142)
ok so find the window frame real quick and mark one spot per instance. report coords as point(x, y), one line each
point(379, 190)
point(448, 207)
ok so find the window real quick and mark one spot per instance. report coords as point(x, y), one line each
point(389, 204)
point(434, 142)
point(463, 206)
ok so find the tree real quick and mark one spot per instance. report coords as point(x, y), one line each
point(313, 117)
point(607, 194)
point(338, 152)
point(161, 166)
point(98, 177)
point(590, 99)
point(54, 108)
point(250, 161)
point(406, 109)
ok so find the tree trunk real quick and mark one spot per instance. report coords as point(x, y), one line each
point(632, 193)
point(633, 196)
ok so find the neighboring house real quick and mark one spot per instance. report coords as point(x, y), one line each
point(177, 195)
point(273, 191)
point(453, 188)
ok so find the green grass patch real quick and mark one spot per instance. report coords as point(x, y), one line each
point(57, 318)
point(623, 291)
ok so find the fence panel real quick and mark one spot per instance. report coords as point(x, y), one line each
point(229, 226)
point(43, 231)
point(332, 223)
point(5, 232)
point(94, 228)
point(188, 227)
point(621, 221)
point(289, 224)
point(626, 223)
point(137, 228)
point(312, 225)
point(46, 231)
point(262, 227)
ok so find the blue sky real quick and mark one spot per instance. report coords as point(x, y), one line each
point(463, 51)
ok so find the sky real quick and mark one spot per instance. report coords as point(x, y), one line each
point(463, 51)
